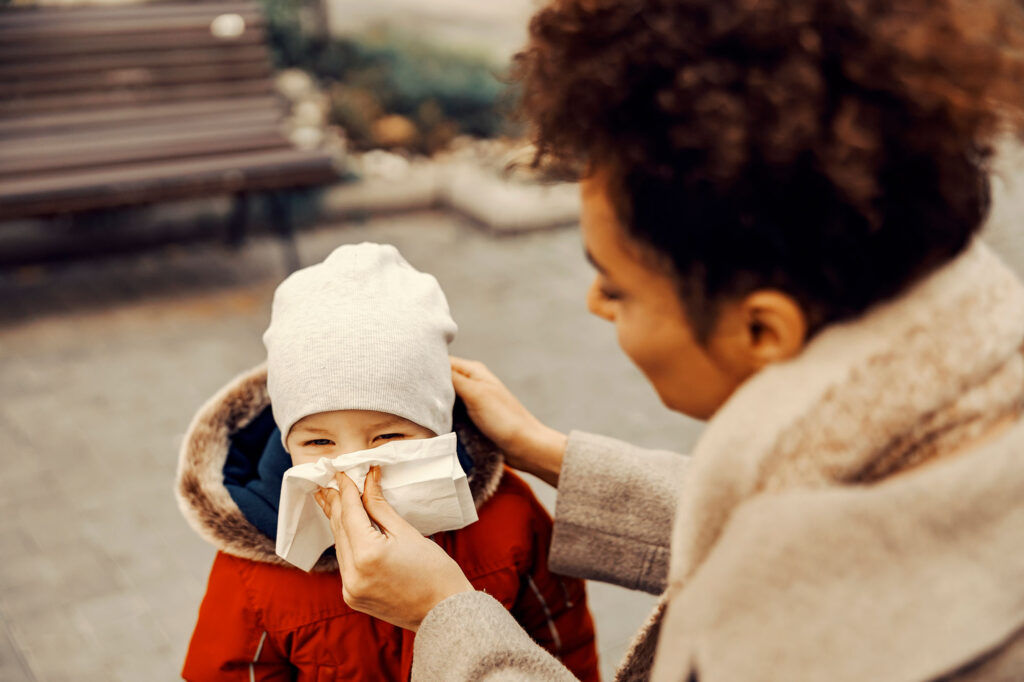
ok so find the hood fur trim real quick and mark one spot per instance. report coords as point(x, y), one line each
point(209, 508)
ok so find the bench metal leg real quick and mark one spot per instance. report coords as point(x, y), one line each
point(238, 221)
point(281, 222)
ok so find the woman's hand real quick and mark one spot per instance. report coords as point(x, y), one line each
point(527, 443)
point(394, 574)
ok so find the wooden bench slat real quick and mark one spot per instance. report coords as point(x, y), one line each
point(112, 141)
point(49, 162)
point(213, 123)
point(59, 24)
point(139, 78)
point(22, 15)
point(72, 46)
point(85, 121)
point(42, 68)
point(112, 98)
point(234, 166)
point(144, 183)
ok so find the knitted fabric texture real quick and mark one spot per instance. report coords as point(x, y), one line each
point(363, 330)
point(851, 514)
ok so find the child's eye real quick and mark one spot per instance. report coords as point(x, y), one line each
point(388, 436)
point(319, 441)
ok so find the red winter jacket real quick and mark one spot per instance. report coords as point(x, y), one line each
point(262, 619)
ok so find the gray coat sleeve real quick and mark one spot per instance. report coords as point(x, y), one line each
point(613, 521)
point(471, 637)
point(614, 512)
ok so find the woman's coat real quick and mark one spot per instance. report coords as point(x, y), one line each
point(852, 514)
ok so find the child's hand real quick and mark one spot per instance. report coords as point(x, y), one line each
point(394, 574)
point(527, 443)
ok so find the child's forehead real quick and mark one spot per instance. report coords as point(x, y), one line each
point(349, 419)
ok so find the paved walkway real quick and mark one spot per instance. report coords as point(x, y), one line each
point(102, 364)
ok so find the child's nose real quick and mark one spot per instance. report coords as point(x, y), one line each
point(349, 448)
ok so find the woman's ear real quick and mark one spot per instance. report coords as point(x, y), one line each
point(764, 327)
point(776, 327)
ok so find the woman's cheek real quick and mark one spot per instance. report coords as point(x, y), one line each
point(635, 344)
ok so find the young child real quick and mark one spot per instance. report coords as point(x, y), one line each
point(356, 358)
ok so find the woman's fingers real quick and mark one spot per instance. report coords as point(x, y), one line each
point(351, 514)
point(329, 500)
point(373, 563)
point(473, 379)
point(527, 443)
point(353, 517)
point(489, 402)
point(355, 535)
point(378, 508)
point(467, 368)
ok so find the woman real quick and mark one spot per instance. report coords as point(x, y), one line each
point(780, 200)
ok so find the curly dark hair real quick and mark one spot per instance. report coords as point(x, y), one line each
point(833, 149)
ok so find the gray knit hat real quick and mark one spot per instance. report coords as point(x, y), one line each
point(362, 330)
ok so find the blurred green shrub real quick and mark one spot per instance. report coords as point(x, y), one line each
point(443, 92)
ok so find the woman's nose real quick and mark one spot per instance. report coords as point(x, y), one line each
point(598, 304)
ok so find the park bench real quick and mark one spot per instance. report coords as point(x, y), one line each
point(109, 107)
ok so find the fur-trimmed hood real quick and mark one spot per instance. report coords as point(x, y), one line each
point(208, 506)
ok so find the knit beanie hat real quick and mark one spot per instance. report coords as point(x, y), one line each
point(362, 330)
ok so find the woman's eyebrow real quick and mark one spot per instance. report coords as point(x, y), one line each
point(590, 259)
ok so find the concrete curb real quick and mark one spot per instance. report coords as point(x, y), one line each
point(480, 193)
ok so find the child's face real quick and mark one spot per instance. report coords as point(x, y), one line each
point(329, 434)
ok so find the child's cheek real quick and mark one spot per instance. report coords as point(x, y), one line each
point(303, 458)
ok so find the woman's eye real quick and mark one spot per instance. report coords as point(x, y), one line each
point(606, 289)
point(388, 436)
point(319, 441)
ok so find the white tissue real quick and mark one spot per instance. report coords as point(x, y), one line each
point(422, 479)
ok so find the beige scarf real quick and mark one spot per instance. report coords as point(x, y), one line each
point(793, 526)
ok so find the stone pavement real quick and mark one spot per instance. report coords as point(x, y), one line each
point(102, 363)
